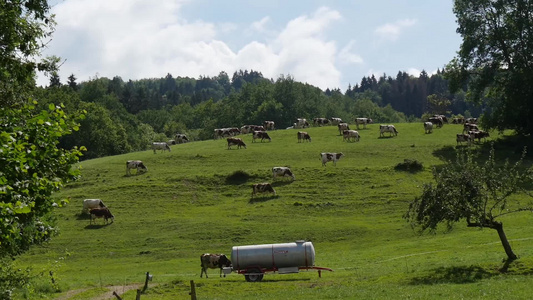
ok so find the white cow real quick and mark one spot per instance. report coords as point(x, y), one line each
point(135, 164)
point(328, 156)
point(428, 127)
point(282, 172)
point(336, 121)
point(387, 128)
point(163, 146)
point(350, 135)
point(89, 204)
point(363, 121)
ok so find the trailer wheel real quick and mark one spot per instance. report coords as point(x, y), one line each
point(255, 277)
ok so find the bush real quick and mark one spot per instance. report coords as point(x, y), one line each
point(409, 166)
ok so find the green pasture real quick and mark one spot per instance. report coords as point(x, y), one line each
point(197, 199)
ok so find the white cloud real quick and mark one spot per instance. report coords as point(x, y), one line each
point(260, 25)
point(414, 72)
point(346, 55)
point(392, 31)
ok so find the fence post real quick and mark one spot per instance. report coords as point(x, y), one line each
point(116, 295)
point(148, 277)
point(138, 297)
point(193, 291)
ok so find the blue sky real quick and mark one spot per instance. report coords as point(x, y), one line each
point(329, 44)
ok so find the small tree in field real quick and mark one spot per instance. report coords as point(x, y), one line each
point(475, 192)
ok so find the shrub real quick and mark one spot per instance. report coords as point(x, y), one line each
point(409, 165)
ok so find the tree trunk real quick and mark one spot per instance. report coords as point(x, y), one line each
point(505, 242)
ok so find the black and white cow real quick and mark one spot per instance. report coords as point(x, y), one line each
point(464, 138)
point(135, 164)
point(181, 138)
point(428, 127)
point(261, 135)
point(387, 128)
point(348, 135)
point(470, 127)
point(328, 156)
point(213, 261)
point(458, 121)
point(301, 123)
point(235, 142)
point(163, 146)
point(302, 136)
point(320, 121)
point(262, 188)
point(336, 121)
point(437, 121)
point(342, 127)
point(89, 204)
point(282, 172)
point(268, 125)
point(479, 135)
point(101, 212)
point(363, 121)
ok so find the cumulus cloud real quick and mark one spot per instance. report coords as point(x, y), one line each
point(414, 72)
point(347, 56)
point(138, 39)
point(392, 31)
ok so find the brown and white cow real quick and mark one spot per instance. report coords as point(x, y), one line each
point(213, 261)
point(479, 135)
point(387, 128)
point(282, 172)
point(101, 212)
point(268, 125)
point(363, 121)
point(320, 121)
point(428, 127)
point(235, 142)
point(342, 127)
point(302, 136)
point(163, 146)
point(328, 156)
point(135, 164)
point(348, 135)
point(261, 135)
point(262, 188)
point(89, 204)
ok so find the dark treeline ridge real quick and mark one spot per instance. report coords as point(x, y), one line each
point(127, 116)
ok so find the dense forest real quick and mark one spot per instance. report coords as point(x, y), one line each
point(127, 116)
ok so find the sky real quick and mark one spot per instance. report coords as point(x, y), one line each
point(325, 43)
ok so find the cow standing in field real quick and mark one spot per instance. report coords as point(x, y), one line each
point(328, 156)
point(348, 135)
point(437, 121)
point(428, 127)
point(181, 138)
point(282, 172)
point(102, 212)
point(135, 164)
point(261, 135)
point(479, 135)
point(320, 121)
point(163, 146)
point(464, 137)
point(387, 128)
point(302, 136)
point(213, 261)
point(269, 125)
point(336, 121)
point(262, 188)
point(89, 204)
point(363, 121)
point(342, 127)
point(236, 142)
point(301, 123)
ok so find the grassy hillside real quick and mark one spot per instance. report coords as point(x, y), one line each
point(197, 199)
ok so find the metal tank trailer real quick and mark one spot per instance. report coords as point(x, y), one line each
point(253, 261)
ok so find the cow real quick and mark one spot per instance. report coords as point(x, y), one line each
point(463, 137)
point(235, 141)
point(262, 188)
point(89, 204)
point(135, 164)
point(470, 127)
point(363, 121)
point(348, 135)
point(479, 135)
point(428, 127)
point(261, 135)
point(226, 132)
point(336, 121)
point(213, 261)
point(302, 136)
point(102, 212)
point(443, 118)
point(282, 172)
point(163, 146)
point(458, 121)
point(320, 121)
point(301, 123)
point(181, 138)
point(269, 125)
point(328, 156)
point(387, 128)
point(471, 120)
point(342, 127)
point(436, 121)
point(171, 142)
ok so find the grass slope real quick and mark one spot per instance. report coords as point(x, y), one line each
point(192, 200)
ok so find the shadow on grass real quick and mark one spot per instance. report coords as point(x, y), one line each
point(262, 199)
point(458, 275)
point(83, 216)
point(97, 226)
point(281, 183)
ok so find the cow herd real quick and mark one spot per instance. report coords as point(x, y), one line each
point(470, 132)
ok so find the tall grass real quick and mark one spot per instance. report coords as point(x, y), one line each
point(197, 199)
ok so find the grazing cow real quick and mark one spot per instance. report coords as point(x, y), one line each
point(213, 261)
point(463, 137)
point(135, 164)
point(328, 156)
point(302, 136)
point(269, 125)
point(89, 204)
point(261, 135)
point(102, 212)
point(301, 123)
point(226, 132)
point(387, 128)
point(350, 135)
point(428, 127)
point(436, 121)
point(181, 138)
point(470, 127)
point(171, 142)
point(336, 121)
point(471, 120)
point(458, 121)
point(320, 121)
point(235, 141)
point(163, 146)
point(342, 127)
point(363, 121)
point(443, 118)
point(281, 172)
point(479, 135)
point(262, 188)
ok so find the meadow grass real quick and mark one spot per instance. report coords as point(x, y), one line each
point(197, 199)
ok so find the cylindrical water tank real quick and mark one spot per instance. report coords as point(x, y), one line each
point(270, 256)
